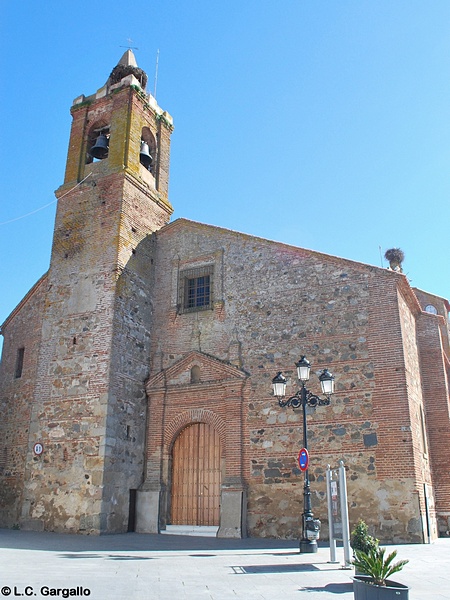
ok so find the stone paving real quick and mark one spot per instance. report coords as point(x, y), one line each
point(139, 566)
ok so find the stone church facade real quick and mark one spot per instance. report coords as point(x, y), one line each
point(135, 380)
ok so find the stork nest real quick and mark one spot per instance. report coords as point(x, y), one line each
point(395, 255)
point(121, 71)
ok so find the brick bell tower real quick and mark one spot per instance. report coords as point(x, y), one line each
point(89, 410)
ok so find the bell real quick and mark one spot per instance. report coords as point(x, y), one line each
point(144, 155)
point(100, 148)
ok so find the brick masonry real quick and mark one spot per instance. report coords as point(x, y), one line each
point(109, 353)
point(272, 304)
point(83, 393)
point(22, 331)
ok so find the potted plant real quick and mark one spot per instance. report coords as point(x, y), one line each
point(377, 568)
point(360, 538)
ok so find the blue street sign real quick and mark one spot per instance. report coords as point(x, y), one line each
point(303, 459)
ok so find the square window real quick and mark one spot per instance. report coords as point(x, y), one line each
point(198, 291)
point(195, 289)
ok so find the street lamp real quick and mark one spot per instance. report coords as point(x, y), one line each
point(302, 398)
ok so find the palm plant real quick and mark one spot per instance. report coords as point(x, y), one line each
point(374, 564)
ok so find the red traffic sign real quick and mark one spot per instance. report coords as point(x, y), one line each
point(303, 459)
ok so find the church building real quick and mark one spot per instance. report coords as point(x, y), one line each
point(135, 380)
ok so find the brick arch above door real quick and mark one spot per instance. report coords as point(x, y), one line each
point(218, 397)
point(188, 417)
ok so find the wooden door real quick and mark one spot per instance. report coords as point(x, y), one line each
point(196, 476)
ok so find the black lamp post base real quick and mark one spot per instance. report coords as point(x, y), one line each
point(308, 546)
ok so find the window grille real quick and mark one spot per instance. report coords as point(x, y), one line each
point(195, 289)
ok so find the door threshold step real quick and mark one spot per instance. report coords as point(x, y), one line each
point(199, 530)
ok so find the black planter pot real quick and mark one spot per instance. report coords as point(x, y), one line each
point(364, 590)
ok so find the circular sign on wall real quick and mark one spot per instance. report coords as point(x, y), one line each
point(38, 448)
point(303, 459)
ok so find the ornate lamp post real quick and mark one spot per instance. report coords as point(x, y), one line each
point(302, 398)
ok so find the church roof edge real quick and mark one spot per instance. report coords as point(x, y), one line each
point(183, 221)
point(24, 300)
point(402, 278)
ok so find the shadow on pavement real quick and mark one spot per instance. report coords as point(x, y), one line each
point(331, 588)
point(105, 557)
point(64, 542)
point(251, 569)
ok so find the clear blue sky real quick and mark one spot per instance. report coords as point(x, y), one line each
point(321, 123)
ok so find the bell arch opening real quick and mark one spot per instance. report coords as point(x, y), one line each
point(147, 153)
point(97, 143)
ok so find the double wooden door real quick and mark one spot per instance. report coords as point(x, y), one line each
point(196, 476)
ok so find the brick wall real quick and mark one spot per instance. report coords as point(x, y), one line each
point(274, 303)
point(22, 329)
point(107, 318)
point(435, 368)
point(89, 398)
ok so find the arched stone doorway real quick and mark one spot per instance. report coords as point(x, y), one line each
point(196, 476)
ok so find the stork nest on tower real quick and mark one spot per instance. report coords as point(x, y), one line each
point(395, 256)
point(121, 71)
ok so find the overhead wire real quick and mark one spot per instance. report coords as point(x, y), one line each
point(45, 205)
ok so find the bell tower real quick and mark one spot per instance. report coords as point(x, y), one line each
point(125, 125)
point(89, 409)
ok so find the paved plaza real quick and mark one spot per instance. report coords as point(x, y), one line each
point(141, 566)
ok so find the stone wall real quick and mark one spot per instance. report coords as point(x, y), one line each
point(22, 329)
point(274, 303)
point(89, 398)
point(107, 325)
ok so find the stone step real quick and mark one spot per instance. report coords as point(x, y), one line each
point(199, 530)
